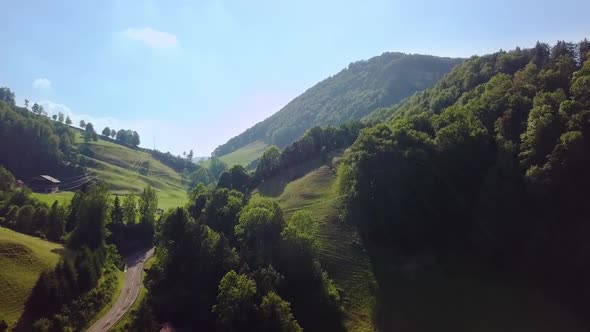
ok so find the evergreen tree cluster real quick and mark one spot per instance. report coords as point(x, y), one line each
point(316, 142)
point(230, 263)
point(70, 278)
point(132, 222)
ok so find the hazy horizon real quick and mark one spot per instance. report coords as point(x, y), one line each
point(193, 75)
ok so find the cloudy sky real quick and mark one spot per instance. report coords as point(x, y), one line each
point(193, 74)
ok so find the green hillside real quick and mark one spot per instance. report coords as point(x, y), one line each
point(354, 92)
point(312, 187)
point(127, 171)
point(22, 259)
point(245, 155)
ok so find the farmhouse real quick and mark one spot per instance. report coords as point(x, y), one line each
point(44, 184)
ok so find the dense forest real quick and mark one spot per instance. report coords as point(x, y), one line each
point(489, 165)
point(347, 96)
point(228, 262)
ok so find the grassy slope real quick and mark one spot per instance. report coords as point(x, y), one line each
point(244, 155)
point(314, 190)
point(121, 168)
point(22, 259)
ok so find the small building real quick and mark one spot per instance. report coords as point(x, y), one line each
point(20, 183)
point(44, 184)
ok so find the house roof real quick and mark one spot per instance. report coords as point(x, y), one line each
point(49, 178)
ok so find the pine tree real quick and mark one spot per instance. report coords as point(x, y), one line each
point(117, 213)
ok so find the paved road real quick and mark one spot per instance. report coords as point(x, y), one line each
point(133, 282)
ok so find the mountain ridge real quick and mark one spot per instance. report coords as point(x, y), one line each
point(351, 94)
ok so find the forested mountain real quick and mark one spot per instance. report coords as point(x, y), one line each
point(349, 95)
point(490, 166)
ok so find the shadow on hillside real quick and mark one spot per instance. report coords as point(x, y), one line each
point(274, 187)
point(425, 293)
point(29, 317)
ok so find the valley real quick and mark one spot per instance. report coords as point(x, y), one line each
point(406, 192)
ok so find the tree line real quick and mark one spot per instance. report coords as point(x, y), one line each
point(315, 143)
point(490, 163)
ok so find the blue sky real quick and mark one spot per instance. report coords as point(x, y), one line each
point(196, 73)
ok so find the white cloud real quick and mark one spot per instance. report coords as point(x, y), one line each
point(145, 128)
point(41, 83)
point(99, 122)
point(151, 37)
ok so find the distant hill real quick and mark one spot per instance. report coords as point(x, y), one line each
point(354, 92)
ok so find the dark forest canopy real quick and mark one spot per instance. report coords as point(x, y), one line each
point(492, 161)
point(349, 95)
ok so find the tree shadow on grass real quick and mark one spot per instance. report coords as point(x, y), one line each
point(30, 314)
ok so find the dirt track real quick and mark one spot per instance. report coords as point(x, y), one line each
point(133, 282)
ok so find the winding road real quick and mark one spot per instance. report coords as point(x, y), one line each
point(133, 281)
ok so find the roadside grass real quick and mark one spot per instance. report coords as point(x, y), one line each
point(120, 283)
point(22, 259)
point(245, 155)
point(312, 187)
point(127, 317)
